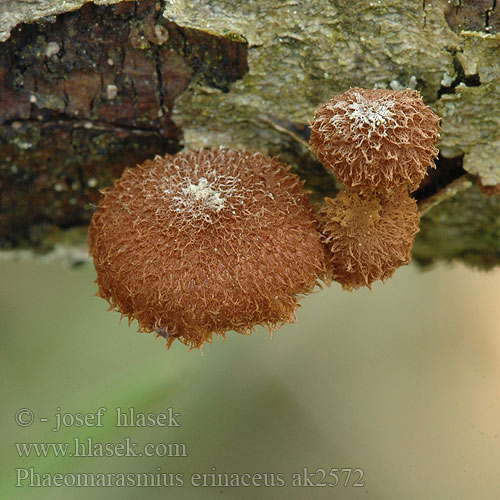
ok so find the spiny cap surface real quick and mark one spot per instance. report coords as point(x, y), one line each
point(368, 237)
point(205, 242)
point(376, 139)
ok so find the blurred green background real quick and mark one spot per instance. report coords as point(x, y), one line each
point(402, 382)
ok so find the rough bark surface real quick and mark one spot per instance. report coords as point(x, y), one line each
point(14, 12)
point(85, 93)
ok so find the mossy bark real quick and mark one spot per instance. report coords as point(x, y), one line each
point(85, 93)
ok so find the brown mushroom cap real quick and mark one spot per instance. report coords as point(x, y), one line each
point(205, 242)
point(376, 139)
point(368, 237)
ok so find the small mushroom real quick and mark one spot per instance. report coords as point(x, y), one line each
point(369, 237)
point(376, 140)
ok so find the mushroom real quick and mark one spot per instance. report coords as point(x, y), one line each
point(376, 140)
point(206, 242)
point(369, 237)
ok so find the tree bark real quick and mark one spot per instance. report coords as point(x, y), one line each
point(83, 94)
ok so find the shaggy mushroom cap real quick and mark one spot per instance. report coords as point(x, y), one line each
point(368, 237)
point(205, 242)
point(376, 139)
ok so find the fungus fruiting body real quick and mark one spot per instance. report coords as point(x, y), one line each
point(376, 140)
point(205, 242)
point(369, 237)
point(379, 143)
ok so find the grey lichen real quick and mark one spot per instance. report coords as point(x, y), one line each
point(471, 115)
point(300, 53)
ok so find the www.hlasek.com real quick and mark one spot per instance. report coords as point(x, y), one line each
point(89, 448)
point(320, 477)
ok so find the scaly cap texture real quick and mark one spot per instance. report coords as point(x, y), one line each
point(376, 139)
point(368, 237)
point(205, 242)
